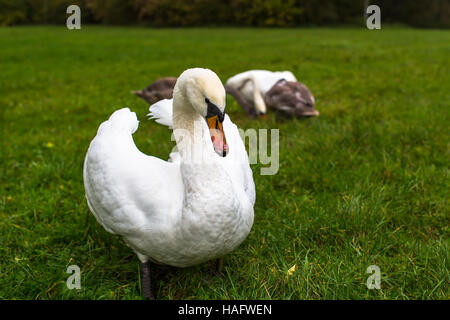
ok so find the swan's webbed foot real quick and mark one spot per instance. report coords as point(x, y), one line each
point(146, 283)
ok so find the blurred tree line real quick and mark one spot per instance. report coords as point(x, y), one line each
point(175, 13)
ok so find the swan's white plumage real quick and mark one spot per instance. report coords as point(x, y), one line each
point(238, 155)
point(161, 112)
point(176, 213)
point(265, 80)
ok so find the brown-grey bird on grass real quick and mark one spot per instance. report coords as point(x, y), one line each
point(158, 90)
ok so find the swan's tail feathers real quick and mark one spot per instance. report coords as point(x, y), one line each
point(122, 119)
point(161, 111)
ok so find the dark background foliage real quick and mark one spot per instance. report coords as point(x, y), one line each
point(177, 13)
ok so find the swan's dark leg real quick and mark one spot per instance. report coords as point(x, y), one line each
point(146, 283)
point(216, 270)
point(219, 266)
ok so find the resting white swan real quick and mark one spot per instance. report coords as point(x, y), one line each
point(182, 212)
point(279, 90)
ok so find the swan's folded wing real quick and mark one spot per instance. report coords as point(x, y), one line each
point(125, 188)
point(162, 112)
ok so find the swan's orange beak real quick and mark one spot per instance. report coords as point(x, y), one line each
point(217, 135)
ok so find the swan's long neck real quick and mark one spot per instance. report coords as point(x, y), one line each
point(184, 115)
point(206, 183)
point(188, 129)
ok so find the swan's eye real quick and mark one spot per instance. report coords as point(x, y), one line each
point(206, 100)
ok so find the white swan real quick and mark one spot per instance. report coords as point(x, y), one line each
point(279, 90)
point(254, 84)
point(181, 212)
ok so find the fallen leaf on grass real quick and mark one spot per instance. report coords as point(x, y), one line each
point(292, 270)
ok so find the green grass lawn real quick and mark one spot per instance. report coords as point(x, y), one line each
point(365, 183)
